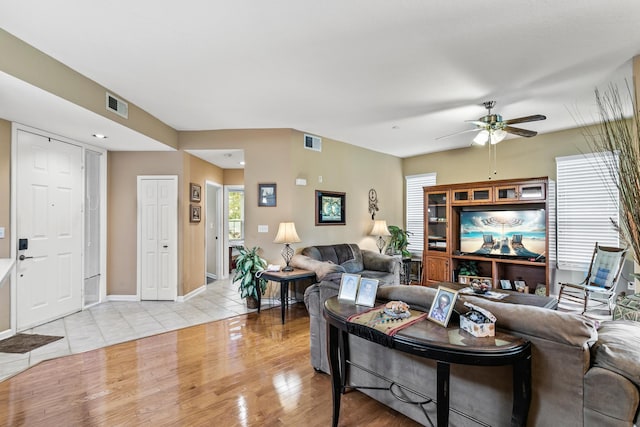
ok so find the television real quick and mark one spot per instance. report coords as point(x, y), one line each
point(504, 233)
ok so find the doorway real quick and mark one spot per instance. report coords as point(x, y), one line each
point(158, 237)
point(49, 223)
point(213, 231)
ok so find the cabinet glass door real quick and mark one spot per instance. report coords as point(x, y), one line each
point(437, 222)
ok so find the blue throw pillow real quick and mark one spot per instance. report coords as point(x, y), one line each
point(600, 279)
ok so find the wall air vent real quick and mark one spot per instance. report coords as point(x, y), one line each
point(117, 106)
point(312, 142)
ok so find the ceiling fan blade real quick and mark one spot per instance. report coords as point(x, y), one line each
point(533, 118)
point(458, 133)
point(520, 132)
point(480, 123)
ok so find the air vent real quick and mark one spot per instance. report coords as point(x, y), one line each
point(117, 105)
point(313, 142)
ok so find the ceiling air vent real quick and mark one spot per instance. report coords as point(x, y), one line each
point(117, 105)
point(312, 142)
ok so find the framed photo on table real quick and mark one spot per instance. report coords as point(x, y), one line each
point(442, 307)
point(367, 292)
point(330, 208)
point(348, 287)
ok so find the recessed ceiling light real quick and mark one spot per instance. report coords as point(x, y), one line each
point(99, 136)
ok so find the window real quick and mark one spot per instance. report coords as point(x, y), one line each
point(236, 213)
point(587, 202)
point(415, 209)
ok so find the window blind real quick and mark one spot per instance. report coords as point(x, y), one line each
point(587, 202)
point(415, 209)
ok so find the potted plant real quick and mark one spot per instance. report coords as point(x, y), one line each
point(398, 242)
point(248, 263)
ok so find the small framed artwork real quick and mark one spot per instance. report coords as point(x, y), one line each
point(194, 211)
point(330, 208)
point(367, 292)
point(442, 306)
point(348, 287)
point(520, 285)
point(505, 284)
point(267, 195)
point(194, 190)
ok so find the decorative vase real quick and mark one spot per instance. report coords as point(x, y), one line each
point(252, 302)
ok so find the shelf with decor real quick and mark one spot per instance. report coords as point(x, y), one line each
point(505, 234)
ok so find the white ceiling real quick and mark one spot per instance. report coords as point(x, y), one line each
point(388, 75)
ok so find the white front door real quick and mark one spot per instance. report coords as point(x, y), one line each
point(157, 237)
point(49, 229)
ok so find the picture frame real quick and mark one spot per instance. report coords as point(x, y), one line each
point(267, 195)
point(442, 307)
point(367, 292)
point(505, 284)
point(349, 287)
point(330, 208)
point(195, 192)
point(194, 213)
point(519, 285)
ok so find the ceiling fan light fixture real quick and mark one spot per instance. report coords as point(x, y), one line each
point(498, 135)
point(482, 137)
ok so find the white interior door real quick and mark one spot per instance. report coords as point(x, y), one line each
point(49, 229)
point(157, 238)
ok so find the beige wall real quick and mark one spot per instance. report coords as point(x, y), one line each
point(517, 158)
point(123, 169)
point(5, 211)
point(32, 66)
point(196, 171)
point(278, 156)
point(234, 177)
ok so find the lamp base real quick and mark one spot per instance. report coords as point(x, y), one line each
point(288, 268)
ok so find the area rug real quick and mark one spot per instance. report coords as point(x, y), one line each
point(23, 343)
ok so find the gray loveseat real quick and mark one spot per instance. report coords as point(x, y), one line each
point(581, 375)
point(329, 262)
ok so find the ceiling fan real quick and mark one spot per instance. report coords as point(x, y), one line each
point(494, 128)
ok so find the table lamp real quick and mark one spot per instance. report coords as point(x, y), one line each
point(287, 235)
point(380, 229)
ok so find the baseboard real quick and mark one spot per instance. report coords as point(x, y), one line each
point(183, 298)
point(6, 334)
point(123, 298)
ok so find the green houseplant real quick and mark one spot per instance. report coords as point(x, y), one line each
point(248, 263)
point(398, 242)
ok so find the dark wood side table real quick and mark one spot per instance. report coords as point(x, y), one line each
point(422, 339)
point(284, 278)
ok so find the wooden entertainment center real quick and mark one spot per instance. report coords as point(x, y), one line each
point(502, 252)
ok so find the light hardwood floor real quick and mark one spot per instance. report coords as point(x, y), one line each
point(248, 370)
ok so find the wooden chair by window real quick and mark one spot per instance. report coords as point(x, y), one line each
point(602, 277)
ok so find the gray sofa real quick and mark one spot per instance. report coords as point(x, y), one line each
point(581, 375)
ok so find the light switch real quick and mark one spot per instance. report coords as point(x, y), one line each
point(1, 232)
point(263, 229)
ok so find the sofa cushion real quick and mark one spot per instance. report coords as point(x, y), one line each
point(346, 255)
point(618, 349)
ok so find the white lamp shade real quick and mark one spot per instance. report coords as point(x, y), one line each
point(287, 233)
point(498, 135)
point(482, 137)
point(380, 228)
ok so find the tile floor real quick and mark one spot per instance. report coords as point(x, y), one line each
point(114, 322)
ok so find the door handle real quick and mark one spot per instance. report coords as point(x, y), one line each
point(22, 257)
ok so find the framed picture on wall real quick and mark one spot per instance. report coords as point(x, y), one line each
point(267, 195)
point(195, 192)
point(194, 213)
point(330, 208)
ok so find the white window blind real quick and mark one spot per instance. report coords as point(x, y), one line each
point(587, 202)
point(415, 209)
